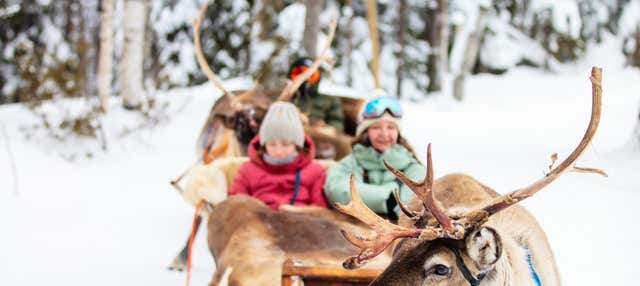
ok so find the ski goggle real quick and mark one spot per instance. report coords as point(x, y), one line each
point(296, 71)
point(376, 107)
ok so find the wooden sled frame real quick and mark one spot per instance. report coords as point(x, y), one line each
point(326, 276)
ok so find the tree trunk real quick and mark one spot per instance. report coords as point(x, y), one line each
point(312, 26)
point(105, 60)
point(438, 39)
point(471, 47)
point(400, 55)
point(444, 37)
point(372, 17)
point(349, 52)
point(635, 57)
point(131, 63)
point(149, 38)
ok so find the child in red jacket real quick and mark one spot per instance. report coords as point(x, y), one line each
point(280, 169)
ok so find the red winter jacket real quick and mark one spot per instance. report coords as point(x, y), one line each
point(274, 184)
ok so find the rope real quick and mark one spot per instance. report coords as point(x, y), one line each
point(191, 237)
point(208, 157)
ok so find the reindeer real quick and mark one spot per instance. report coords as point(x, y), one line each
point(235, 119)
point(457, 231)
point(251, 242)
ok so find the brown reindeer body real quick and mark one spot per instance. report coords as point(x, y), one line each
point(519, 235)
point(254, 241)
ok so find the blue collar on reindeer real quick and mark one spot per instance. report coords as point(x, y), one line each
point(534, 274)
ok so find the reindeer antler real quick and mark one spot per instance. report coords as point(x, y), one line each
point(384, 232)
point(200, 56)
point(423, 191)
point(288, 91)
point(568, 164)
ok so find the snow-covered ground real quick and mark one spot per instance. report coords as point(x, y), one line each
point(115, 220)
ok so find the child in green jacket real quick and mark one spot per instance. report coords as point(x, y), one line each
point(378, 139)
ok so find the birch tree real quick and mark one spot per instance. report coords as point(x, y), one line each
point(438, 39)
point(105, 61)
point(312, 26)
point(131, 63)
point(400, 53)
point(466, 45)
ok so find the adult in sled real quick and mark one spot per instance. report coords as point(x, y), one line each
point(280, 169)
point(325, 113)
point(378, 138)
point(319, 107)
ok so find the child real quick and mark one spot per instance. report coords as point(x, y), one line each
point(280, 169)
point(378, 139)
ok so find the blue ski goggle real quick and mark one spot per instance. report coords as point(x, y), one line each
point(376, 107)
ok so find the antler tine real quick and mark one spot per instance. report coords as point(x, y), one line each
point(424, 191)
point(383, 234)
point(568, 164)
point(249, 92)
point(293, 86)
point(200, 56)
point(403, 208)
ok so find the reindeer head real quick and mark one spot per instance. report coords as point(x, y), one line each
point(444, 261)
point(249, 113)
point(441, 247)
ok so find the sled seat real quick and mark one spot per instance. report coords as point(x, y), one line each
point(325, 276)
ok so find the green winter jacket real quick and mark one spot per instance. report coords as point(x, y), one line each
point(381, 182)
point(320, 107)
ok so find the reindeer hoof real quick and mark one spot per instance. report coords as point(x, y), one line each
point(178, 264)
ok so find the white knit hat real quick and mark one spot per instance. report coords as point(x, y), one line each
point(385, 116)
point(282, 122)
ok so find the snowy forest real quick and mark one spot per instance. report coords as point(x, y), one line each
point(131, 49)
point(54, 49)
point(102, 106)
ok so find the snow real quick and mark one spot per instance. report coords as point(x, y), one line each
point(504, 46)
point(629, 22)
point(115, 220)
point(9, 10)
point(565, 16)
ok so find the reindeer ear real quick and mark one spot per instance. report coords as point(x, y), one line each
point(484, 247)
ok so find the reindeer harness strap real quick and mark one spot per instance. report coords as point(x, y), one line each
point(473, 281)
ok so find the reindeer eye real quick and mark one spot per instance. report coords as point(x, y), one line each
point(441, 270)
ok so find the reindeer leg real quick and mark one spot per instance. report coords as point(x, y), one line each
point(179, 263)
